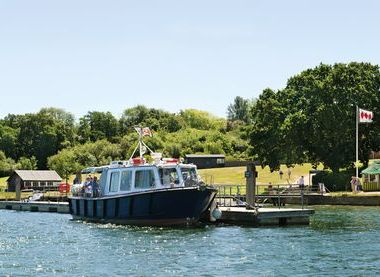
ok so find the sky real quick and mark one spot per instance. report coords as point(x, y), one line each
point(112, 55)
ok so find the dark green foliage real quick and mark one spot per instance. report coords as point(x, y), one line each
point(239, 110)
point(7, 165)
point(313, 118)
point(8, 141)
point(339, 181)
point(154, 118)
point(40, 135)
point(96, 126)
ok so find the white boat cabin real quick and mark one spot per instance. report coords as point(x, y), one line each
point(136, 176)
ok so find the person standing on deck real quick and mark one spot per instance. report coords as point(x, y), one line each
point(95, 187)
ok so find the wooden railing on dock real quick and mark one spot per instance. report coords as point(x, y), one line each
point(233, 195)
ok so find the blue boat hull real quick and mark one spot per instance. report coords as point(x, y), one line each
point(177, 206)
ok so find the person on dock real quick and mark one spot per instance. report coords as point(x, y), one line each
point(281, 173)
point(289, 173)
point(301, 182)
point(355, 184)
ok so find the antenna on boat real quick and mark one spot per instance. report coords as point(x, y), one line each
point(141, 146)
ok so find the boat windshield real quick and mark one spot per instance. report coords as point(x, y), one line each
point(169, 176)
point(189, 175)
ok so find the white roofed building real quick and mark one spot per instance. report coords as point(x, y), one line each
point(34, 179)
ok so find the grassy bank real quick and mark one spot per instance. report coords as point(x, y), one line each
point(3, 183)
point(235, 175)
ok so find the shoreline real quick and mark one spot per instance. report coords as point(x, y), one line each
point(357, 200)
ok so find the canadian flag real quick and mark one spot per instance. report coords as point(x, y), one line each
point(365, 116)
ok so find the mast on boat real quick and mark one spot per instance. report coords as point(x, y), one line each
point(141, 146)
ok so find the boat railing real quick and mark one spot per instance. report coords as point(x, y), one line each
point(207, 179)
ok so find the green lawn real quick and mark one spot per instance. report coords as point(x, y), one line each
point(3, 183)
point(235, 175)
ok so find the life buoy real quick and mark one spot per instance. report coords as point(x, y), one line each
point(137, 161)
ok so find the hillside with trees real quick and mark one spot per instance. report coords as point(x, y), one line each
point(53, 139)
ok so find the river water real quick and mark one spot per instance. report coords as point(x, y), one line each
point(340, 241)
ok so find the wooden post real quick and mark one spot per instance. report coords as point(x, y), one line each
point(250, 176)
point(18, 191)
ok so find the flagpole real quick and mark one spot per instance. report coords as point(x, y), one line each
point(140, 143)
point(357, 141)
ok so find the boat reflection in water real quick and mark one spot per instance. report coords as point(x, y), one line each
point(163, 193)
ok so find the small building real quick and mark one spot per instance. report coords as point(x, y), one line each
point(371, 177)
point(43, 180)
point(206, 161)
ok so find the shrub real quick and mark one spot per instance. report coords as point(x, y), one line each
point(334, 181)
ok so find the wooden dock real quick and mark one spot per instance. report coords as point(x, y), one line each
point(265, 216)
point(36, 206)
point(230, 215)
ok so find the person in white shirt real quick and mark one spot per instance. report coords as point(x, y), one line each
point(301, 182)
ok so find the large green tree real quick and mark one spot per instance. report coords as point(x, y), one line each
point(40, 135)
point(313, 118)
point(97, 126)
point(239, 110)
point(8, 141)
point(156, 119)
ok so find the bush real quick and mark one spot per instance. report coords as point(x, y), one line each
point(334, 181)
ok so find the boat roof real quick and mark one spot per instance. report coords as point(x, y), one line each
point(100, 169)
point(205, 156)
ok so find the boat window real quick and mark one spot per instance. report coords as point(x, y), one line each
point(126, 181)
point(169, 176)
point(144, 179)
point(114, 182)
point(190, 176)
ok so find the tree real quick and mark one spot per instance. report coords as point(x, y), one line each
point(98, 125)
point(71, 160)
point(265, 134)
point(27, 163)
point(156, 119)
point(313, 118)
point(40, 135)
point(202, 120)
point(7, 165)
point(133, 117)
point(239, 110)
point(37, 137)
point(65, 123)
point(64, 163)
point(8, 141)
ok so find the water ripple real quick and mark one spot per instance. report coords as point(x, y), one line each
point(339, 241)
